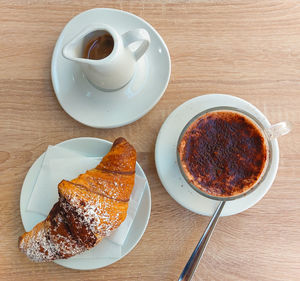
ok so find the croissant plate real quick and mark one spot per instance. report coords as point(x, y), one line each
point(88, 209)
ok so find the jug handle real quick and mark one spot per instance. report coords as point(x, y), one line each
point(132, 36)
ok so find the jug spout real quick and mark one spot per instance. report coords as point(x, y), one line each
point(71, 51)
point(74, 49)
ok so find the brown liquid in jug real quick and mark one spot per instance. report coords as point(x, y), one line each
point(99, 47)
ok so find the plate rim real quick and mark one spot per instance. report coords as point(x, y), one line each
point(146, 194)
point(56, 53)
point(161, 177)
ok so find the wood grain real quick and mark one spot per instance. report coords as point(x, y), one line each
point(250, 49)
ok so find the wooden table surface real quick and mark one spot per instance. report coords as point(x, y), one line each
point(249, 49)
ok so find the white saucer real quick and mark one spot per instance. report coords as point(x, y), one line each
point(95, 148)
point(168, 170)
point(100, 109)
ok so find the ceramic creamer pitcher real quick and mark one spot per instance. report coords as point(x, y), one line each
point(115, 70)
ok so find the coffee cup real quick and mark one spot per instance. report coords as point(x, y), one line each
point(225, 153)
point(115, 67)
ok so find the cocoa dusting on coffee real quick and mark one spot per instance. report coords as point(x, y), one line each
point(223, 153)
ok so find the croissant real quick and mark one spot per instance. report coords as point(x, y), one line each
point(88, 209)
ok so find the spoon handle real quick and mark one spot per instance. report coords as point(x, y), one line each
point(194, 260)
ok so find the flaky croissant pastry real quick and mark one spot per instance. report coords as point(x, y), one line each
point(89, 208)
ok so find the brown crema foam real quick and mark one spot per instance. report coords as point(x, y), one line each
point(223, 153)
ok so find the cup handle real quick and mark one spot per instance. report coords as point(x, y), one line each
point(279, 129)
point(137, 35)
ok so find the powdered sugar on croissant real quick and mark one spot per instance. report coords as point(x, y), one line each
point(89, 208)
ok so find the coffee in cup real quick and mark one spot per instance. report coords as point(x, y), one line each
point(223, 153)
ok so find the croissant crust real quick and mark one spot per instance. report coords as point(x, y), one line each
point(88, 209)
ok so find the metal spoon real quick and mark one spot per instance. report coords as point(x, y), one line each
point(194, 260)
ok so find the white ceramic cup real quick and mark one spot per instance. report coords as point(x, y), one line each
point(115, 70)
point(268, 133)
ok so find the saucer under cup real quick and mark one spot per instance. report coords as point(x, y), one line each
point(166, 157)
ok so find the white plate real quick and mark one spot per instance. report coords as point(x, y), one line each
point(100, 109)
point(166, 162)
point(95, 148)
